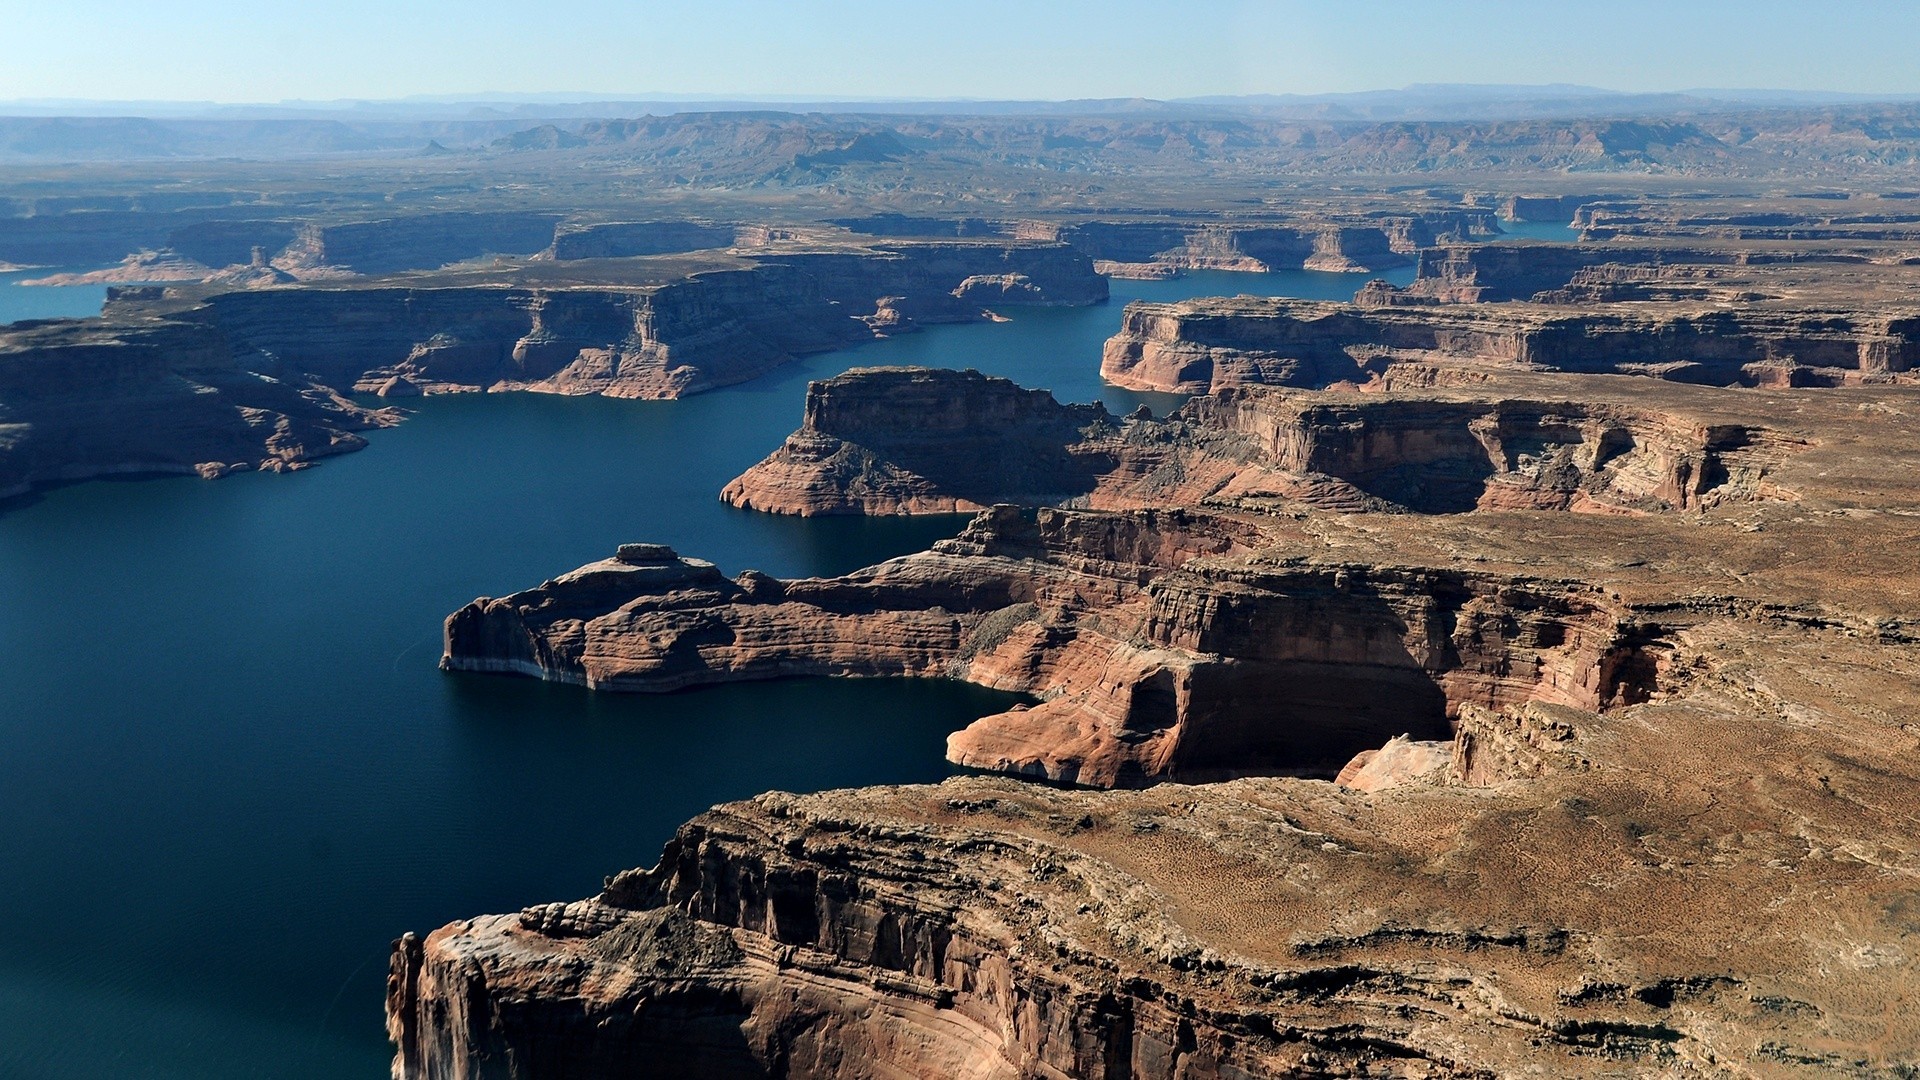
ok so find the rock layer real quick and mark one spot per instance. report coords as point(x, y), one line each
point(211, 381)
point(1197, 345)
point(1151, 665)
point(706, 330)
point(918, 440)
point(904, 440)
point(79, 401)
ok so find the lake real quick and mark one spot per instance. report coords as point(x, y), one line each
point(46, 301)
point(231, 772)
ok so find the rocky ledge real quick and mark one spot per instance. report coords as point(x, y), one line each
point(81, 400)
point(1711, 884)
point(1155, 653)
point(913, 440)
point(1502, 792)
point(1197, 345)
point(209, 381)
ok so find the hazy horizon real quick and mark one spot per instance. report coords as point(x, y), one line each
point(229, 52)
point(1514, 91)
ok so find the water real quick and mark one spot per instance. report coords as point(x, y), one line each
point(46, 301)
point(230, 772)
point(1560, 232)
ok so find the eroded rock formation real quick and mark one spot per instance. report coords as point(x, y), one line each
point(1150, 663)
point(211, 381)
point(906, 440)
point(1335, 244)
point(692, 333)
point(80, 401)
point(918, 440)
point(1616, 793)
point(1197, 345)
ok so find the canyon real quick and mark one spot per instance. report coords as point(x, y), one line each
point(195, 378)
point(1353, 791)
point(1503, 667)
point(1445, 723)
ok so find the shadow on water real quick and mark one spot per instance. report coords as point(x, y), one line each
point(231, 772)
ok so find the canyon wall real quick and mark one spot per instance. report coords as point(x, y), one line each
point(419, 241)
point(905, 440)
point(1197, 345)
point(1150, 665)
point(157, 397)
point(74, 393)
point(710, 329)
point(918, 440)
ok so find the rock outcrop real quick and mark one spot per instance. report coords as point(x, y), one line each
point(627, 239)
point(1150, 665)
point(910, 441)
point(1198, 345)
point(418, 241)
point(79, 400)
point(1619, 795)
point(920, 440)
point(270, 363)
point(696, 332)
point(1335, 244)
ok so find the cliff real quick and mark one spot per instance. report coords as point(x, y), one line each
point(116, 394)
point(79, 400)
point(1336, 245)
point(918, 440)
point(417, 241)
point(1197, 345)
point(707, 329)
point(1490, 793)
point(1150, 663)
point(906, 440)
point(1490, 919)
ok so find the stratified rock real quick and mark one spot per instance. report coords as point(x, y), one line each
point(1151, 665)
point(1197, 345)
point(1337, 243)
point(79, 399)
point(705, 330)
point(1674, 830)
point(416, 241)
point(921, 440)
point(914, 440)
point(1400, 761)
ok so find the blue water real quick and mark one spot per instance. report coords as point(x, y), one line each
point(46, 301)
point(230, 772)
point(1561, 232)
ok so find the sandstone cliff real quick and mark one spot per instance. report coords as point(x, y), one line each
point(1626, 792)
point(904, 440)
point(1197, 345)
point(626, 239)
point(704, 330)
point(917, 440)
point(1633, 795)
point(79, 400)
point(1150, 664)
point(118, 394)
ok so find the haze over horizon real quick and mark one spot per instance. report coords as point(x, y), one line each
point(228, 51)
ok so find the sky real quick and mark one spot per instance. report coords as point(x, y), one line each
point(274, 50)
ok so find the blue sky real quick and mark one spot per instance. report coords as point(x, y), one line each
point(271, 50)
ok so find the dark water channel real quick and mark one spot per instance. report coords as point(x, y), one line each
point(230, 771)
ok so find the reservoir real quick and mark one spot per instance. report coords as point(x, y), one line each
point(231, 772)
